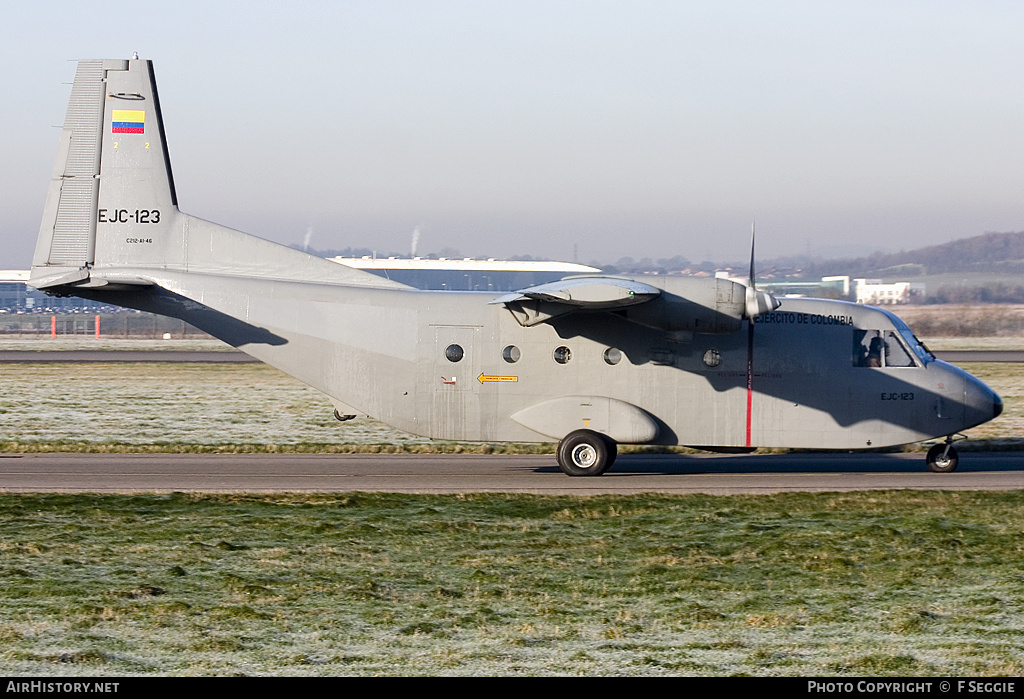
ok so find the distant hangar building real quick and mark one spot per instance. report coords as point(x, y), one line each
point(17, 297)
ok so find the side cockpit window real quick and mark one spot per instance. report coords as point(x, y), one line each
point(877, 348)
point(867, 348)
point(895, 353)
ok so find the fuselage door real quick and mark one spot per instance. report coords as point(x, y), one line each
point(456, 367)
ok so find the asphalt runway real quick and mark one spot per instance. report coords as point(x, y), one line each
point(463, 473)
point(234, 356)
point(105, 356)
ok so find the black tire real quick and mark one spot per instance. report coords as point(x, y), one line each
point(939, 464)
point(584, 453)
point(613, 451)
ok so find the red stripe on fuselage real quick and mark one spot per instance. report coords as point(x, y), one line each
point(750, 376)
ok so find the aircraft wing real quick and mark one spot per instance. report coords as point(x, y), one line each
point(591, 293)
point(678, 304)
point(541, 303)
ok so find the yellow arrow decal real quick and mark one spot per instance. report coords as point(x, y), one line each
point(497, 379)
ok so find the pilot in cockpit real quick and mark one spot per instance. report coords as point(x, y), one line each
point(874, 356)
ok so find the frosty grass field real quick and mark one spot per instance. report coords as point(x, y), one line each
point(883, 583)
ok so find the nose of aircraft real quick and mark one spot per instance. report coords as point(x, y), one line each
point(982, 403)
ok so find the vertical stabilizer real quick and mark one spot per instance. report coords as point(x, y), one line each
point(137, 207)
point(113, 137)
point(111, 216)
point(68, 230)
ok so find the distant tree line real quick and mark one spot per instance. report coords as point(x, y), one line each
point(987, 293)
point(647, 265)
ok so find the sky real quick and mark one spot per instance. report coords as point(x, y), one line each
point(568, 130)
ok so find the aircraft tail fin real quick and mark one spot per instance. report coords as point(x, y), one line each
point(111, 214)
point(67, 234)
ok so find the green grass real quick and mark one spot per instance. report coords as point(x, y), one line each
point(891, 583)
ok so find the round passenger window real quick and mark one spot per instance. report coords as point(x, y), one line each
point(712, 358)
point(511, 354)
point(612, 355)
point(563, 354)
point(453, 353)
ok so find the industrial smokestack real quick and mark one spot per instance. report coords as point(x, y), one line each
point(415, 241)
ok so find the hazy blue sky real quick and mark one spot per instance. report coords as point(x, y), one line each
point(499, 128)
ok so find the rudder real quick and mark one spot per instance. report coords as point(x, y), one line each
point(111, 150)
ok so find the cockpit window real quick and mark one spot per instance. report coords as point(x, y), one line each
point(895, 353)
point(867, 348)
point(875, 348)
point(922, 350)
point(916, 346)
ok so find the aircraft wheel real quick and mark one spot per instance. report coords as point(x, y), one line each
point(937, 463)
point(585, 453)
point(613, 451)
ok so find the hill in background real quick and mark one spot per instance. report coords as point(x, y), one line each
point(987, 268)
point(999, 253)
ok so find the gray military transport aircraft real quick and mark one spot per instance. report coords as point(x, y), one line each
point(590, 362)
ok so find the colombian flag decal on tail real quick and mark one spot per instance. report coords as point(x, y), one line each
point(128, 121)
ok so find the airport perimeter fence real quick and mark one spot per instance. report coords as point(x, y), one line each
point(135, 325)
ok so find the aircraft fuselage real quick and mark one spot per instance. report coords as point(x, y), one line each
point(448, 365)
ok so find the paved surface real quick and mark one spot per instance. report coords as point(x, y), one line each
point(47, 356)
point(233, 356)
point(435, 473)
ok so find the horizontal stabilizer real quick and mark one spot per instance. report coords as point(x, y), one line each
point(58, 276)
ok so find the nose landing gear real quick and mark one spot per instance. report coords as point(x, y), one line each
point(943, 458)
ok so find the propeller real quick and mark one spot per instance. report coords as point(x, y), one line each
point(757, 302)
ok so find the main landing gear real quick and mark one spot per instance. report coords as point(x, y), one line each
point(943, 458)
point(589, 453)
point(586, 453)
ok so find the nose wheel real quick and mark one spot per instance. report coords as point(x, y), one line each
point(943, 458)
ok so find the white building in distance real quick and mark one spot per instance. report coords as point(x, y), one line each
point(874, 293)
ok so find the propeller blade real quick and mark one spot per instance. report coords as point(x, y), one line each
point(757, 302)
point(752, 256)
